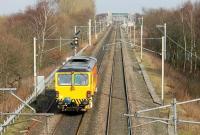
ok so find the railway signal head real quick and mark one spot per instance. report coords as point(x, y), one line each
point(75, 40)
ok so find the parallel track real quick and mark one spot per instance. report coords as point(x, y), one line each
point(114, 76)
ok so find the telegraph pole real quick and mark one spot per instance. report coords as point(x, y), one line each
point(75, 29)
point(130, 33)
point(90, 33)
point(163, 57)
point(100, 25)
point(60, 44)
point(134, 35)
point(165, 34)
point(141, 48)
point(163, 69)
point(35, 65)
point(75, 51)
point(95, 28)
point(174, 116)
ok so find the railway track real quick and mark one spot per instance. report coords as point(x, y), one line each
point(118, 99)
point(69, 123)
point(99, 56)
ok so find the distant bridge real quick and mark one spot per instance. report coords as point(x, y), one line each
point(120, 17)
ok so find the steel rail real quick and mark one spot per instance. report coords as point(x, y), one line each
point(126, 92)
point(110, 95)
point(111, 91)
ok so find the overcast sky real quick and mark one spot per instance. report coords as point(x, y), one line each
point(130, 6)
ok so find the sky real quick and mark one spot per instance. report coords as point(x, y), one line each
point(12, 6)
point(133, 6)
point(129, 6)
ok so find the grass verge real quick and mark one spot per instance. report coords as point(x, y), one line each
point(176, 85)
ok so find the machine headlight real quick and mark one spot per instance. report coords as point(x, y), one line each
point(67, 100)
point(88, 94)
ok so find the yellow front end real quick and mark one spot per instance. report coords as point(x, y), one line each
point(74, 91)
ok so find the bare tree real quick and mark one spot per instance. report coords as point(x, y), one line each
point(184, 37)
point(192, 37)
point(44, 25)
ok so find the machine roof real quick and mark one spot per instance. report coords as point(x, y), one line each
point(79, 64)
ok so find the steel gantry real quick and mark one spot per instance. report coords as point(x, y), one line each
point(173, 121)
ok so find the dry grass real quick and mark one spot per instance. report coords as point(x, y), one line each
point(176, 85)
